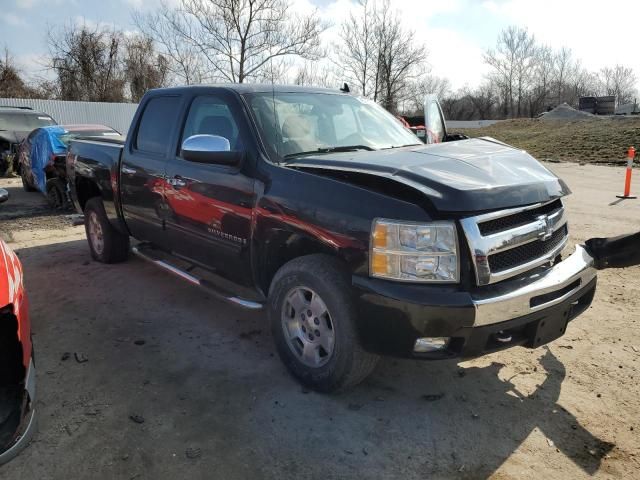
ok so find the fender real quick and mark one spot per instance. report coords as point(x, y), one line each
point(94, 172)
point(302, 212)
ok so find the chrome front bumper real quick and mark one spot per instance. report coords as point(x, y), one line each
point(528, 295)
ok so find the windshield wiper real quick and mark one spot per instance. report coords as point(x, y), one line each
point(342, 148)
point(400, 146)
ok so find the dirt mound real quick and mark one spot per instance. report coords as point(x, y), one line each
point(566, 112)
point(601, 140)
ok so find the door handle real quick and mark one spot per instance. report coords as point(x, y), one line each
point(177, 181)
point(128, 171)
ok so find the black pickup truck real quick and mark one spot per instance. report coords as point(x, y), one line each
point(357, 239)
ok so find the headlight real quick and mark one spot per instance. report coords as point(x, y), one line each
point(414, 252)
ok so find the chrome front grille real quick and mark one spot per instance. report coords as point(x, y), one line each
point(509, 242)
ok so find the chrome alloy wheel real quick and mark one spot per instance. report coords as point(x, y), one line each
point(95, 233)
point(308, 327)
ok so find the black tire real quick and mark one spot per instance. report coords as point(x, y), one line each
point(348, 364)
point(113, 246)
point(25, 183)
point(56, 194)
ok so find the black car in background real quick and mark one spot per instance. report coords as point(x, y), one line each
point(15, 125)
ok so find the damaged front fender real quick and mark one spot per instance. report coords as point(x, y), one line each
point(17, 372)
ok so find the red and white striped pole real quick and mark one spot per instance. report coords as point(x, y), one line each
point(627, 179)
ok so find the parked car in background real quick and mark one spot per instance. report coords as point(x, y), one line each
point(17, 374)
point(42, 158)
point(354, 236)
point(15, 125)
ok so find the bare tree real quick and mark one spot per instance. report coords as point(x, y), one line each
point(542, 80)
point(11, 82)
point(236, 40)
point(399, 60)
point(144, 68)
point(378, 55)
point(512, 61)
point(426, 84)
point(86, 62)
point(185, 63)
point(484, 100)
point(618, 80)
point(311, 73)
point(356, 49)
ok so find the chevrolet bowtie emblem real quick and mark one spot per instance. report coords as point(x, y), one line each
point(547, 227)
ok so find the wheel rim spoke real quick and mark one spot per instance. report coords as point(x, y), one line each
point(308, 328)
point(95, 232)
point(310, 353)
point(326, 342)
point(317, 306)
point(297, 301)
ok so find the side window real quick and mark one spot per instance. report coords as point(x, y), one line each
point(157, 125)
point(211, 115)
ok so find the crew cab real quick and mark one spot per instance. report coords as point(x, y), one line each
point(355, 237)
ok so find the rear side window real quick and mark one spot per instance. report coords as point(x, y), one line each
point(157, 125)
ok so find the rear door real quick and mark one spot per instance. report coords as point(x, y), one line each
point(436, 129)
point(209, 206)
point(143, 164)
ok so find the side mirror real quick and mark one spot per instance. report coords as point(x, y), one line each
point(4, 195)
point(209, 149)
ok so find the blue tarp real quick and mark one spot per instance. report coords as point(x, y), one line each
point(45, 144)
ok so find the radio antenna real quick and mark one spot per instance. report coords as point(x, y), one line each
point(275, 116)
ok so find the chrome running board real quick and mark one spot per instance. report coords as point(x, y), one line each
point(144, 252)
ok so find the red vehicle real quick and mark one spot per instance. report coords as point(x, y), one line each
point(17, 374)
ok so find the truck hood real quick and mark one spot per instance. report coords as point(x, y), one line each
point(463, 176)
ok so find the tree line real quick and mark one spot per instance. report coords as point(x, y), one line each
point(238, 41)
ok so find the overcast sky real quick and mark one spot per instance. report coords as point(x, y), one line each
point(455, 32)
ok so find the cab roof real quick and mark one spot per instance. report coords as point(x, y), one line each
point(8, 109)
point(243, 88)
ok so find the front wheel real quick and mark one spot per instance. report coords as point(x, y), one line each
point(56, 194)
point(313, 320)
point(107, 244)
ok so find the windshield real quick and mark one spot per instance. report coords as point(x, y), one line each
point(24, 122)
point(297, 123)
point(68, 136)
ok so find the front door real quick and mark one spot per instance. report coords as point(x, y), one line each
point(434, 120)
point(209, 206)
point(142, 171)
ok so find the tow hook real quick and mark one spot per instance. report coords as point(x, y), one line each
point(502, 336)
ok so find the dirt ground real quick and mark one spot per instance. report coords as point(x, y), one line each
point(596, 140)
point(217, 403)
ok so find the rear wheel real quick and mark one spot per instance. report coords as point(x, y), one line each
point(313, 320)
point(107, 244)
point(26, 185)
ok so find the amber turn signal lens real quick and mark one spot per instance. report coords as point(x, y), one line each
point(379, 263)
point(380, 236)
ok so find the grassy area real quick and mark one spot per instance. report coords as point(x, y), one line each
point(600, 140)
